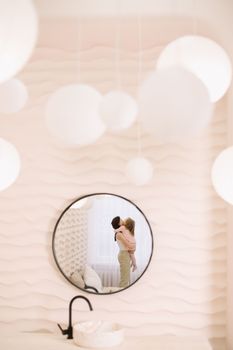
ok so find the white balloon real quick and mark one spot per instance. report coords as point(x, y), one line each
point(9, 164)
point(118, 110)
point(174, 105)
point(204, 58)
point(139, 171)
point(18, 34)
point(72, 115)
point(13, 96)
point(222, 175)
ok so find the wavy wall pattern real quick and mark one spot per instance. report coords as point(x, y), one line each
point(184, 290)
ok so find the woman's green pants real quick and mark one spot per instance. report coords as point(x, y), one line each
point(124, 261)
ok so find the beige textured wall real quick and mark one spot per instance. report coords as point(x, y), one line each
point(230, 236)
point(184, 289)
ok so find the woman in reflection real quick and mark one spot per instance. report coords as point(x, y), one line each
point(124, 235)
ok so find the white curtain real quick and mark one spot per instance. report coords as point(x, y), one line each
point(102, 249)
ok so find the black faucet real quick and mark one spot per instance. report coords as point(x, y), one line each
point(69, 330)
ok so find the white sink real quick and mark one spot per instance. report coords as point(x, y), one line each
point(98, 334)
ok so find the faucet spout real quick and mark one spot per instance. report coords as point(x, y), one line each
point(70, 327)
point(69, 330)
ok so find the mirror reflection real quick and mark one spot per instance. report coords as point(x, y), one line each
point(102, 243)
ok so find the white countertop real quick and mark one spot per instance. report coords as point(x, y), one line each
point(38, 341)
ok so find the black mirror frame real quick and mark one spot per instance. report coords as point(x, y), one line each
point(88, 287)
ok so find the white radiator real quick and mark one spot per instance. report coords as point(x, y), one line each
point(110, 274)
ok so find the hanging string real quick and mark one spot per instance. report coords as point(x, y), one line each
point(78, 51)
point(179, 46)
point(139, 28)
point(181, 9)
point(117, 45)
point(194, 17)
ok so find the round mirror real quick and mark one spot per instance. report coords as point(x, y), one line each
point(102, 243)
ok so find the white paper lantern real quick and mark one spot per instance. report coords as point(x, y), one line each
point(72, 115)
point(222, 175)
point(139, 171)
point(9, 164)
point(118, 110)
point(13, 96)
point(204, 58)
point(18, 34)
point(174, 105)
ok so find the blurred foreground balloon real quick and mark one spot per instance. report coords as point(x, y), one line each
point(118, 110)
point(13, 96)
point(222, 175)
point(18, 35)
point(204, 58)
point(72, 115)
point(9, 164)
point(174, 105)
point(139, 170)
